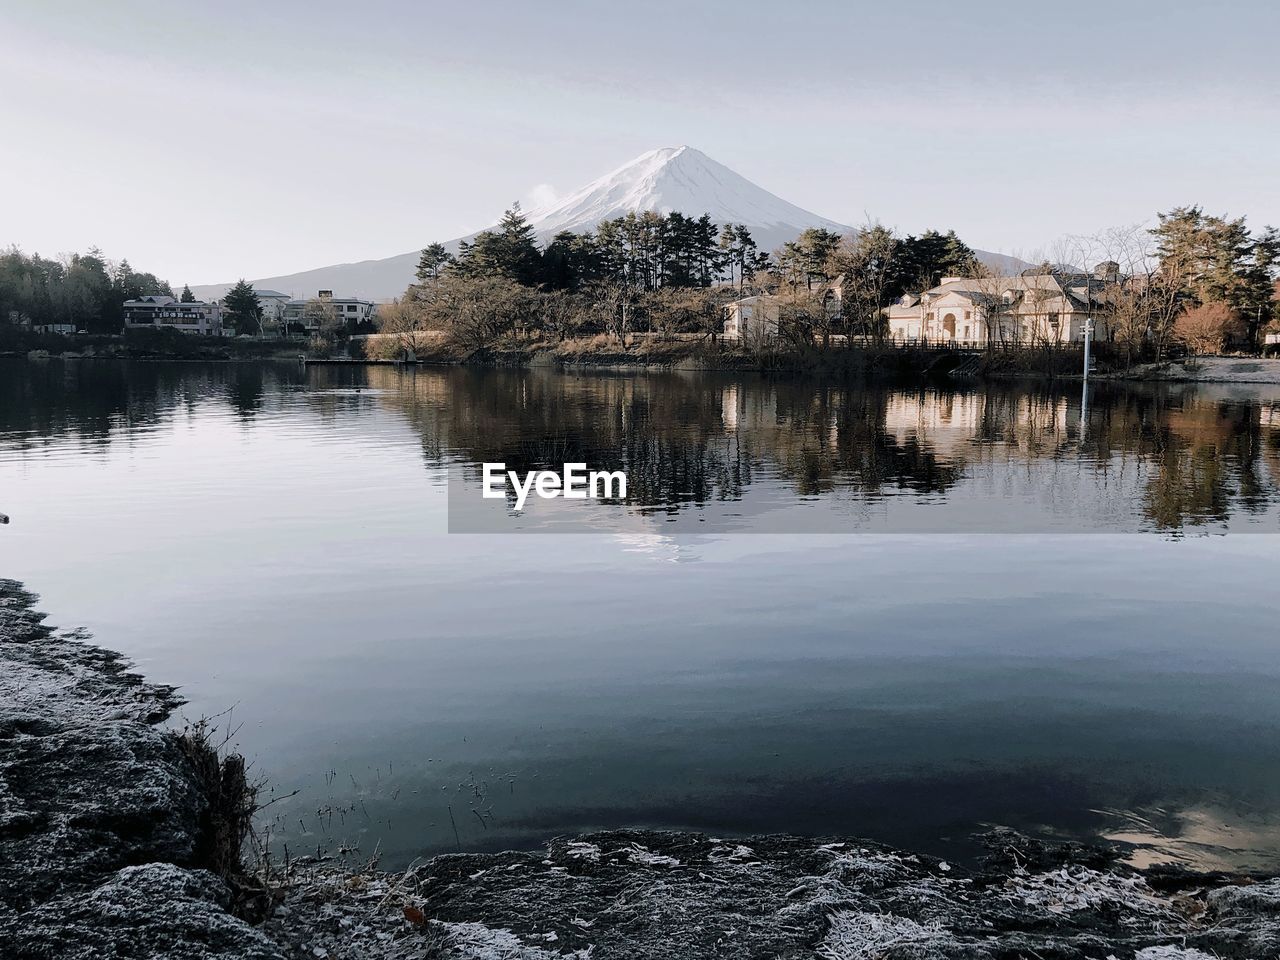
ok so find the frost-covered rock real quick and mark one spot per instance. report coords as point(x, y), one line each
point(643, 895)
point(101, 812)
point(155, 910)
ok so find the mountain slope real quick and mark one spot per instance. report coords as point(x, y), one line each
point(664, 180)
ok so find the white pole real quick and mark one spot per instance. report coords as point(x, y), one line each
point(1088, 335)
point(1084, 388)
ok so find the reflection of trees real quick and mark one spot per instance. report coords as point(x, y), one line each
point(681, 439)
point(246, 386)
point(689, 439)
point(1177, 457)
point(101, 400)
point(83, 401)
point(1211, 461)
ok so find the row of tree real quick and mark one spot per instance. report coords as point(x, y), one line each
point(646, 251)
point(650, 251)
point(662, 273)
point(85, 291)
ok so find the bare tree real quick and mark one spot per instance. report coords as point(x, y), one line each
point(868, 265)
point(562, 313)
point(615, 301)
point(406, 321)
point(476, 312)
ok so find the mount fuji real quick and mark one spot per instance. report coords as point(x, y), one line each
point(683, 179)
point(663, 180)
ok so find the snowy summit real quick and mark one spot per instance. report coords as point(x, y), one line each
point(680, 179)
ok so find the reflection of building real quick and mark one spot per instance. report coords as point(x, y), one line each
point(1040, 306)
point(952, 423)
point(152, 312)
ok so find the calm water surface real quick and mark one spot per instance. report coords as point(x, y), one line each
point(276, 541)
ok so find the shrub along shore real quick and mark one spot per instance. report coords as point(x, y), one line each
point(123, 838)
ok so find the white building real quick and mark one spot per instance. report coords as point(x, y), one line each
point(347, 311)
point(1039, 306)
point(756, 319)
point(154, 312)
point(752, 319)
point(274, 304)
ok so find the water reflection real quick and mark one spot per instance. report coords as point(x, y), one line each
point(999, 458)
point(273, 538)
point(742, 452)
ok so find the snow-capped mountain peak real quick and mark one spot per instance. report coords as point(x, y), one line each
point(678, 179)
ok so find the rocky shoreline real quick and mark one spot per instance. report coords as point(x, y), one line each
point(118, 837)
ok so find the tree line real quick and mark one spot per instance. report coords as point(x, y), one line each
point(84, 290)
point(1206, 281)
point(662, 273)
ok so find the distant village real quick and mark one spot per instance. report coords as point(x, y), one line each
point(282, 316)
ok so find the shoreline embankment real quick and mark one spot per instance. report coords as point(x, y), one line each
point(653, 353)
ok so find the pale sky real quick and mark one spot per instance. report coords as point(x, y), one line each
point(206, 141)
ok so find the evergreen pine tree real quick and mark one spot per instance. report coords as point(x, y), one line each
point(433, 260)
point(519, 258)
point(243, 309)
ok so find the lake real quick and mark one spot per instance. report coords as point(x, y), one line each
point(905, 613)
